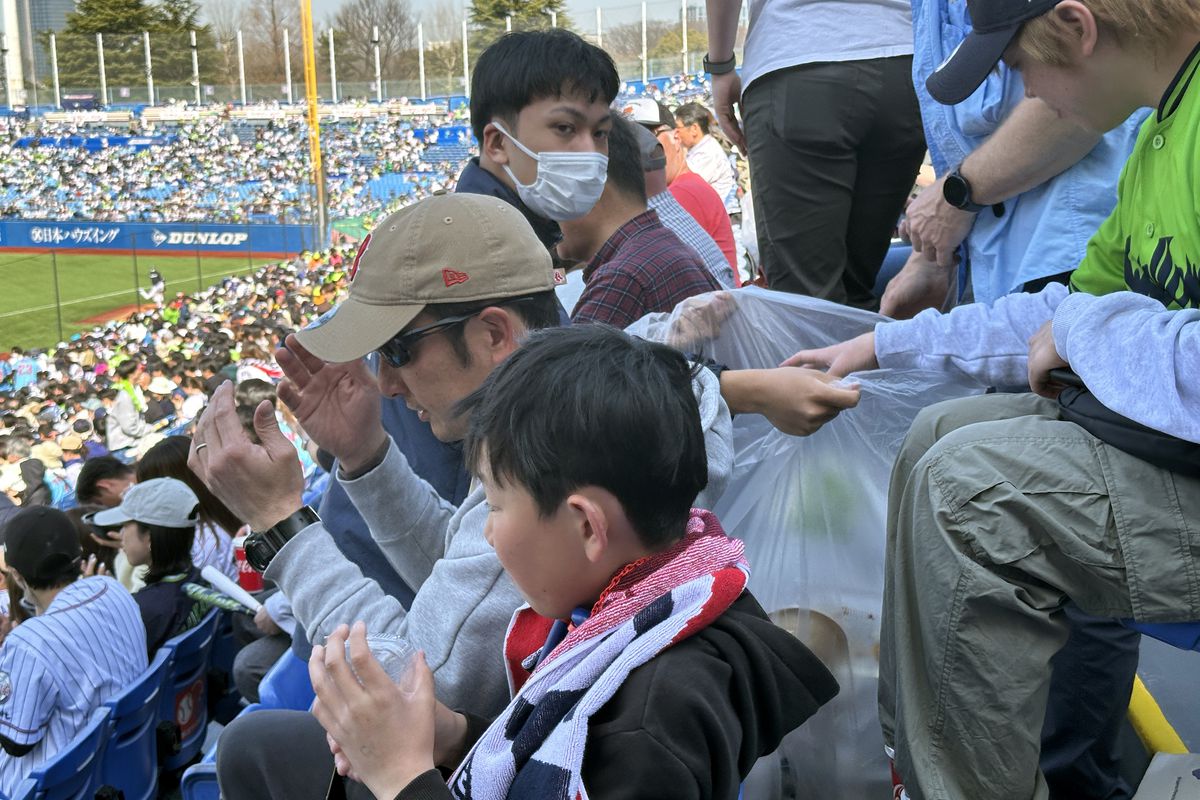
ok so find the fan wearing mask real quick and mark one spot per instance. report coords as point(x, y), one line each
point(540, 110)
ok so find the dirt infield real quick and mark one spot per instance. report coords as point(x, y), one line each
point(120, 312)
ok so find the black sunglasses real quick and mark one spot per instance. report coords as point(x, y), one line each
point(397, 351)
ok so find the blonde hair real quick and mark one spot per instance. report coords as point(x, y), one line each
point(1129, 22)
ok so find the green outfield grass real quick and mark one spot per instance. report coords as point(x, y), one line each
point(88, 286)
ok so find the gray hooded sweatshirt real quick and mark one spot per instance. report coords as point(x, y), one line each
point(464, 599)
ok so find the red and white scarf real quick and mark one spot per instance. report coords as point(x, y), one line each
point(535, 747)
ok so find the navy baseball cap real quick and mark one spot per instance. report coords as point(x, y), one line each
point(994, 26)
point(40, 542)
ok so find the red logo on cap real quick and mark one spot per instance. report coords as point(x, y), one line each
point(362, 249)
point(453, 277)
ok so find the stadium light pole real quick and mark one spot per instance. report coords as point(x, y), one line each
point(508, 23)
point(599, 27)
point(421, 57)
point(378, 73)
point(314, 120)
point(645, 60)
point(241, 66)
point(553, 18)
point(683, 23)
point(287, 65)
point(466, 65)
point(149, 67)
point(103, 78)
point(332, 68)
point(195, 66)
point(54, 71)
point(57, 296)
point(4, 59)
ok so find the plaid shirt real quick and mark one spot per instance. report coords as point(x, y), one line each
point(643, 268)
point(676, 218)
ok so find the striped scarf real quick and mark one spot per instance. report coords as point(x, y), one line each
point(535, 748)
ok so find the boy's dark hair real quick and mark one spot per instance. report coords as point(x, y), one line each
point(588, 405)
point(537, 311)
point(126, 369)
point(524, 67)
point(170, 550)
point(693, 114)
point(625, 159)
point(95, 470)
point(252, 391)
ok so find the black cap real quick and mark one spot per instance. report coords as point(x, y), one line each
point(994, 25)
point(40, 542)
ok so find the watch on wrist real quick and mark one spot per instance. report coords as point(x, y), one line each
point(262, 546)
point(957, 192)
point(719, 67)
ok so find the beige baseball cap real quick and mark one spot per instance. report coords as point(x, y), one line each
point(448, 248)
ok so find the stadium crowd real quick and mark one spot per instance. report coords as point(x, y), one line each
point(521, 492)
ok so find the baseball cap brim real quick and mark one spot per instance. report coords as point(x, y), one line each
point(968, 66)
point(110, 518)
point(355, 329)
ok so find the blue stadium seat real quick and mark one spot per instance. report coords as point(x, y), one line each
point(74, 773)
point(199, 782)
point(287, 685)
point(1184, 635)
point(185, 699)
point(131, 762)
point(226, 705)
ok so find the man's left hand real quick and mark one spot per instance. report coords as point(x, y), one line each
point(1043, 357)
point(260, 483)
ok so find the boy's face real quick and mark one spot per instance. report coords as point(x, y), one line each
point(567, 124)
point(1092, 89)
point(543, 556)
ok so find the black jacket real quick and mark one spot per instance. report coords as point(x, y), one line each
point(691, 722)
point(477, 180)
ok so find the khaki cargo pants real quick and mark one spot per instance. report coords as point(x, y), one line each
point(998, 513)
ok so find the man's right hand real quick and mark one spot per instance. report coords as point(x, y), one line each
point(727, 94)
point(839, 360)
point(336, 404)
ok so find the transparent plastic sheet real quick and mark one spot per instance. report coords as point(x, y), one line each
point(812, 513)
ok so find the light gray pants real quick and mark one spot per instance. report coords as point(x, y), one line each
point(999, 512)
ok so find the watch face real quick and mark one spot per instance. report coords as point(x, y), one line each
point(259, 552)
point(955, 191)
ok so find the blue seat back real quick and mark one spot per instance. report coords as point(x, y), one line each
point(185, 699)
point(287, 685)
point(74, 772)
point(1184, 635)
point(199, 782)
point(131, 761)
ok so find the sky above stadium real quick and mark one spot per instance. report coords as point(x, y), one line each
point(583, 12)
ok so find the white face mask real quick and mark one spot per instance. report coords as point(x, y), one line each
point(567, 185)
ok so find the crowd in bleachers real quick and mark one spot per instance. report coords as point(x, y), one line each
point(484, 514)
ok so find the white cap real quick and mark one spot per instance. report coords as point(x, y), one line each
point(161, 385)
point(166, 502)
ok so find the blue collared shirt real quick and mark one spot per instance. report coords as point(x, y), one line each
point(1044, 231)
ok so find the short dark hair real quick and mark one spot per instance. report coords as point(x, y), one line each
point(537, 311)
point(170, 550)
point(589, 405)
point(524, 67)
point(126, 368)
point(252, 391)
point(625, 171)
point(694, 114)
point(95, 470)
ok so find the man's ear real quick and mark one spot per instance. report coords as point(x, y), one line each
point(502, 330)
point(493, 143)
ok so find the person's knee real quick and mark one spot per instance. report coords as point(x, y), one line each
point(242, 756)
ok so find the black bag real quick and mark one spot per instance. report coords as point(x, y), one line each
point(1077, 404)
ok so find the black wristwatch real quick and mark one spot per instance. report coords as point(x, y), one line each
point(262, 546)
point(957, 192)
point(719, 67)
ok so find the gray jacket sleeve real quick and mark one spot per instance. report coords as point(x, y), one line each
point(987, 343)
point(127, 418)
point(1138, 358)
